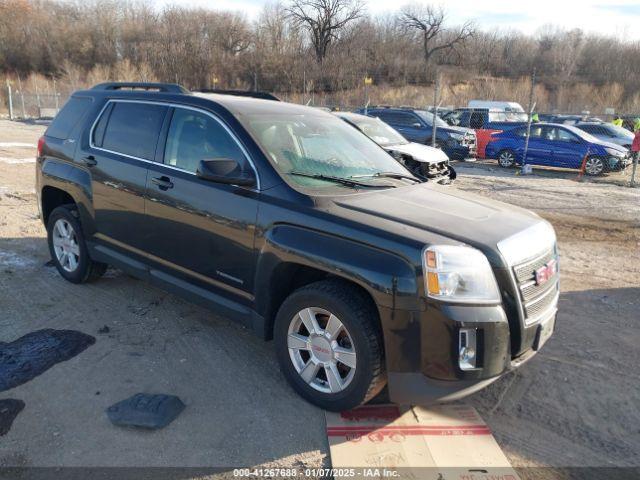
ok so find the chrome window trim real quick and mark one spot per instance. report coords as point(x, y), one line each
point(171, 105)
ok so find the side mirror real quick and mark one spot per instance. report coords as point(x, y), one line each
point(224, 170)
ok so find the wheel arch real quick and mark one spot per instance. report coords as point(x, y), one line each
point(52, 197)
point(66, 183)
point(293, 257)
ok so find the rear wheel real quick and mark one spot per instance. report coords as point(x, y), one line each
point(68, 249)
point(329, 345)
point(594, 166)
point(506, 158)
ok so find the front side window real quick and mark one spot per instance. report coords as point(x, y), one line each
point(133, 129)
point(195, 136)
point(313, 144)
point(561, 135)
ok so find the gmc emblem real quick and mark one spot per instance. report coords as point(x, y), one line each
point(544, 273)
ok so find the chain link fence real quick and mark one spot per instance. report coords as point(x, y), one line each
point(518, 123)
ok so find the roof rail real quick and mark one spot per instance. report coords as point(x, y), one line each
point(161, 87)
point(240, 93)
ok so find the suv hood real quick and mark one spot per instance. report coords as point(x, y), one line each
point(613, 146)
point(420, 153)
point(429, 207)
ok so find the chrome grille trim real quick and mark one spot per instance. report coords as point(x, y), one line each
point(537, 300)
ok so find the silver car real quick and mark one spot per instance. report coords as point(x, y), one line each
point(423, 161)
point(608, 132)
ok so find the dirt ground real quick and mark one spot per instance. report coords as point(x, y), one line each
point(575, 404)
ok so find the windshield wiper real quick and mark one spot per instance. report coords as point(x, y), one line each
point(388, 175)
point(341, 180)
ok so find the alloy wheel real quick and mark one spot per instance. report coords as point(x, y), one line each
point(65, 245)
point(321, 350)
point(594, 166)
point(506, 159)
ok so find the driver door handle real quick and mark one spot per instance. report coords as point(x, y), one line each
point(89, 160)
point(163, 183)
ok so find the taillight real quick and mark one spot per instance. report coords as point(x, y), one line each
point(40, 145)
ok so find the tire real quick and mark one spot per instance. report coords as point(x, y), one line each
point(506, 158)
point(594, 166)
point(64, 236)
point(337, 307)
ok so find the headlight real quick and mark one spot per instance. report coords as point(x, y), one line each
point(457, 136)
point(459, 274)
point(614, 153)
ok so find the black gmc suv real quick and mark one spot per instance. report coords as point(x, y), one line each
point(302, 228)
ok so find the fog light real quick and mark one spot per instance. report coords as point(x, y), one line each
point(467, 348)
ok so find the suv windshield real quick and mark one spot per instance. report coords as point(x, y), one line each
point(428, 117)
point(319, 145)
point(379, 132)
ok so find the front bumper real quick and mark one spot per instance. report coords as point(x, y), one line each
point(422, 351)
point(619, 163)
point(459, 152)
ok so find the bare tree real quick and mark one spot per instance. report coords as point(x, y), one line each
point(324, 19)
point(430, 21)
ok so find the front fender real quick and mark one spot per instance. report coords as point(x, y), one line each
point(387, 277)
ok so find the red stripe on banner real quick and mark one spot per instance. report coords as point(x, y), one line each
point(407, 427)
point(383, 432)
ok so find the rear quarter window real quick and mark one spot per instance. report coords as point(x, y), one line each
point(70, 116)
point(133, 128)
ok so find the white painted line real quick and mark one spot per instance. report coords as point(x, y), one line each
point(17, 144)
point(17, 161)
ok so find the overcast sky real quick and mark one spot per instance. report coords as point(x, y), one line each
point(620, 18)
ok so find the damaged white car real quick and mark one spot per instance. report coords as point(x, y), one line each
point(423, 161)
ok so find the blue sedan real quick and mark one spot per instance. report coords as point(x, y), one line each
point(557, 145)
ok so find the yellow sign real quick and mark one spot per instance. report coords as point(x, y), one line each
point(368, 80)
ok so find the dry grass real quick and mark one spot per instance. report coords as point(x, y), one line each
point(575, 98)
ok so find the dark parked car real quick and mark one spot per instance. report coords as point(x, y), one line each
point(423, 161)
point(417, 125)
point(557, 146)
point(295, 224)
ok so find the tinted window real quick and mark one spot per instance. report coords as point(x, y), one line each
point(397, 118)
point(559, 134)
point(70, 115)
point(98, 131)
point(194, 136)
point(477, 120)
point(133, 129)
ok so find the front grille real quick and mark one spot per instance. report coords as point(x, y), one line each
point(536, 298)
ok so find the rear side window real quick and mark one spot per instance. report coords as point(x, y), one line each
point(132, 128)
point(70, 115)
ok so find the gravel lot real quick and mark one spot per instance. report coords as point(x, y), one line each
point(575, 404)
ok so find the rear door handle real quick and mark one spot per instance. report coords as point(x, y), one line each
point(89, 160)
point(163, 183)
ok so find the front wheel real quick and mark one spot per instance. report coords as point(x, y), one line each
point(329, 345)
point(506, 158)
point(594, 166)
